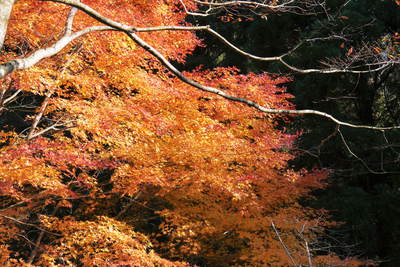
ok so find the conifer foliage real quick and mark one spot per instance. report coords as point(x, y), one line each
point(115, 162)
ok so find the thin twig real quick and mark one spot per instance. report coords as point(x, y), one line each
point(357, 157)
point(50, 128)
point(39, 116)
point(39, 240)
point(28, 224)
point(283, 244)
point(13, 205)
point(12, 97)
point(308, 253)
point(131, 202)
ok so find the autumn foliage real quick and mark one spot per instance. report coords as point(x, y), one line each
point(140, 169)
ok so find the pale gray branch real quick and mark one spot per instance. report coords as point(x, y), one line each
point(70, 21)
point(38, 55)
point(262, 8)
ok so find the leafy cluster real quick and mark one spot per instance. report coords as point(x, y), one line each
point(143, 170)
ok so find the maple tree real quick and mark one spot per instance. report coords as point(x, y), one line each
point(124, 164)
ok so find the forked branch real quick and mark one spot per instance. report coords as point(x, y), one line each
point(34, 58)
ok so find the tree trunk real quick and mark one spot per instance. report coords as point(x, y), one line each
point(5, 11)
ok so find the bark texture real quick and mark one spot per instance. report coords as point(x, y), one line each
point(5, 11)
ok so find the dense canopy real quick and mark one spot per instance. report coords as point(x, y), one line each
point(108, 159)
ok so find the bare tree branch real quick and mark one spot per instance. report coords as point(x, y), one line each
point(249, 103)
point(308, 253)
point(261, 8)
point(70, 21)
point(13, 205)
point(130, 204)
point(248, 3)
point(3, 99)
point(346, 69)
point(54, 49)
point(34, 58)
point(127, 28)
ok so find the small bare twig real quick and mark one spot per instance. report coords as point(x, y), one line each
point(261, 8)
point(205, 14)
point(39, 240)
point(12, 97)
point(14, 205)
point(131, 202)
point(38, 116)
point(357, 157)
point(27, 224)
point(283, 244)
point(3, 100)
point(26, 239)
point(53, 127)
